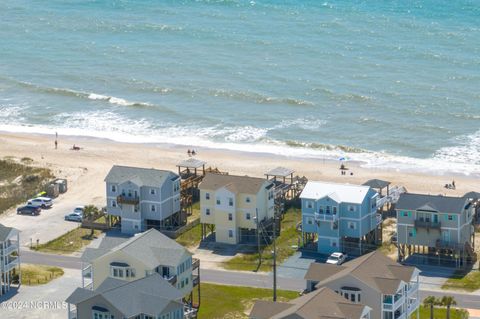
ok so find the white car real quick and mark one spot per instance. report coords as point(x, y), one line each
point(336, 259)
point(43, 202)
point(79, 209)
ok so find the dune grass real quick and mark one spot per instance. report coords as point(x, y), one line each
point(440, 312)
point(465, 282)
point(69, 242)
point(33, 275)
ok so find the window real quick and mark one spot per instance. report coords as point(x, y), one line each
point(405, 214)
point(114, 189)
point(152, 191)
point(352, 297)
point(450, 217)
point(218, 201)
point(345, 295)
point(320, 210)
point(153, 208)
point(207, 196)
point(117, 272)
point(207, 211)
point(230, 216)
point(186, 281)
point(352, 225)
point(309, 220)
point(230, 201)
point(230, 233)
point(309, 204)
point(247, 216)
point(130, 273)
point(334, 210)
point(114, 203)
point(247, 199)
point(351, 208)
point(411, 232)
point(328, 210)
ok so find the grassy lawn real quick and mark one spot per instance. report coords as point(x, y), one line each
point(33, 275)
point(439, 312)
point(68, 243)
point(19, 182)
point(461, 281)
point(285, 242)
point(220, 301)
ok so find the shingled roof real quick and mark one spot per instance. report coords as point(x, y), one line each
point(149, 295)
point(5, 232)
point(319, 304)
point(444, 204)
point(374, 269)
point(234, 183)
point(341, 193)
point(151, 247)
point(141, 176)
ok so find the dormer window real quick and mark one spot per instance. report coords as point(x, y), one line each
point(351, 293)
point(152, 191)
point(101, 313)
point(121, 270)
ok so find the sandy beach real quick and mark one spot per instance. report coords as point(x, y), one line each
point(85, 169)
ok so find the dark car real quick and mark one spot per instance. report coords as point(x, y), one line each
point(29, 210)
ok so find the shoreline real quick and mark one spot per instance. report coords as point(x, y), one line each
point(367, 159)
point(98, 155)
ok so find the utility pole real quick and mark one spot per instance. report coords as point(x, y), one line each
point(274, 258)
point(258, 238)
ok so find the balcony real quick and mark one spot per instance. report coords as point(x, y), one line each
point(12, 262)
point(195, 263)
point(412, 289)
point(123, 199)
point(195, 280)
point(393, 302)
point(427, 224)
point(87, 272)
point(325, 217)
point(10, 249)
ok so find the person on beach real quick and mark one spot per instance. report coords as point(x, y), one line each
point(189, 152)
point(194, 153)
point(56, 144)
point(453, 184)
point(56, 140)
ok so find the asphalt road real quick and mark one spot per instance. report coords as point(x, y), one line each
point(238, 278)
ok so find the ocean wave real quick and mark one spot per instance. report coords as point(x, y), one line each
point(86, 95)
point(467, 150)
point(305, 123)
point(326, 147)
point(258, 98)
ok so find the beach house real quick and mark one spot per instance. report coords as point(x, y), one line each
point(235, 206)
point(142, 255)
point(321, 303)
point(339, 217)
point(437, 227)
point(143, 198)
point(145, 298)
point(388, 288)
point(9, 258)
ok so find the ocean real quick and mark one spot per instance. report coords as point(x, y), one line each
point(394, 84)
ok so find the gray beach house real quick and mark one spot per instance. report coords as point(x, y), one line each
point(143, 198)
point(437, 227)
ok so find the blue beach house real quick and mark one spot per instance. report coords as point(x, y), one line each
point(339, 217)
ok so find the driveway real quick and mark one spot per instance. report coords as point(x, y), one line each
point(43, 301)
point(50, 224)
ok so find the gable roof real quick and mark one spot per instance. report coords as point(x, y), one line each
point(374, 269)
point(445, 204)
point(151, 247)
point(140, 176)
point(341, 193)
point(234, 183)
point(280, 172)
point(149, 295)
point(376, 183)
point(473, 195)
point(5, 232)
point(321, 303)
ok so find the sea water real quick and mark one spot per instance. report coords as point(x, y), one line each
point(389, 83)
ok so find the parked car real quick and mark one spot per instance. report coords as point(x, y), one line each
point(29, 210)
point(74, 217)
point(336, 259)
point(79, 209)
point(43, 202)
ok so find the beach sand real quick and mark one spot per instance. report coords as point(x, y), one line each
point(86, 169)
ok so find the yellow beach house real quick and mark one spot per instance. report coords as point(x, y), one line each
point(233, 206)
